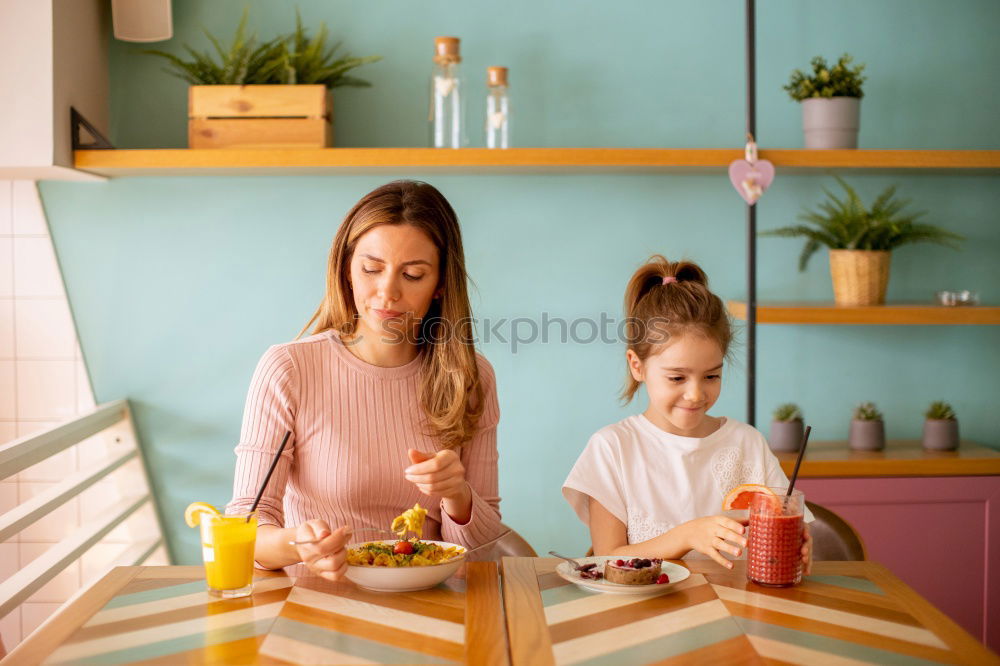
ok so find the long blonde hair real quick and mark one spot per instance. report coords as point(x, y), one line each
point(450, 393)
point(680, 304)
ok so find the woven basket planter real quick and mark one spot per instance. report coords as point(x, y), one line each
point(860, 277)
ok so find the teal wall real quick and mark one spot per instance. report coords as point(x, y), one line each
point(179, 284)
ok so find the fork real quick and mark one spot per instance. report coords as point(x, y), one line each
point(488, 543)
point(576, 565)
point(376, 529)
point(363, 529)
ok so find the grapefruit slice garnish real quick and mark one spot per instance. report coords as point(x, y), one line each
point(741, 496)
point(192, 514)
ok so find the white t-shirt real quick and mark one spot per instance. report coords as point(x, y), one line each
point(653, 481)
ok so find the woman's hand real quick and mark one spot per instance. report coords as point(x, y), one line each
point(443, 475)
point(326, 558)
point(807, 550)
point(709, 535)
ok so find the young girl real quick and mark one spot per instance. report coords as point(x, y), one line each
point(387, 401)
point(652, 484)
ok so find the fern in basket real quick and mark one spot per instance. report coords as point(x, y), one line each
point(847, 224)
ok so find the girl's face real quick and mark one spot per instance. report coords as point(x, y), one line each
point(683, 381)
point(394, 275)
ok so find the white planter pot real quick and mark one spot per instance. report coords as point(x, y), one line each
point(831, 123)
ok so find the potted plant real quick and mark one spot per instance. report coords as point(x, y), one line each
point(787, 428)
point(860, 240)
point(831, 103)
point(940, 427)
point(273, 94)
point(867, 429)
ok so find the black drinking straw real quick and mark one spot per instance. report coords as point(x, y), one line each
point(798, 461)
point(274, 463)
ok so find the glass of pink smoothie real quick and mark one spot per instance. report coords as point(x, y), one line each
point(774, 544)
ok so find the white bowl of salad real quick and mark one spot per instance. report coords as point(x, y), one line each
point(403, 565)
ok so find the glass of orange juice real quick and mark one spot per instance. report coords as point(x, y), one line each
point(227, 546)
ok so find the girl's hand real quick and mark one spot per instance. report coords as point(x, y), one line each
point(709, 535)
point(441, 474)
point(807, 550)
point(326, 558)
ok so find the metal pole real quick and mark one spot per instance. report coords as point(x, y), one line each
point(751, 57)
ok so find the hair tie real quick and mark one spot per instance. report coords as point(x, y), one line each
point(669, 279)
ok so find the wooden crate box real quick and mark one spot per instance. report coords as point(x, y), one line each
point(260, 116)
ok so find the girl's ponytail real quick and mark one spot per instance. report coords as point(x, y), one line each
point(665, 298)
point(649, 276)
point(687, 271)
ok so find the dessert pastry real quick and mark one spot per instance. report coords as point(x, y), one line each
point(636, 571)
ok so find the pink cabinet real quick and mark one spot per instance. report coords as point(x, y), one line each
point(941, 535)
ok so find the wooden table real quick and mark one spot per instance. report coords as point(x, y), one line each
point(845, 613)
point(954, 496)
point(163, 615)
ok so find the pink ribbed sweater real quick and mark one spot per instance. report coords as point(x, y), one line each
point(351, 425)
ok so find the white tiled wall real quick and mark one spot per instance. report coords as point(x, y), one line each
point(43, 381)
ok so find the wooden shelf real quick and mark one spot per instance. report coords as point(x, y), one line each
point(288, 161)
point(899, 458)
point(901, 314)
point(884, 159)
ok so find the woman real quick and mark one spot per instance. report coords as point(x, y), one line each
point(387, 401)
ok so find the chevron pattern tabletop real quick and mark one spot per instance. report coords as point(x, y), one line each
point(845, 613)
point(340, 623)
point(164, 615)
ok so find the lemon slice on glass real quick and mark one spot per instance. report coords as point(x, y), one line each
point(192, 514)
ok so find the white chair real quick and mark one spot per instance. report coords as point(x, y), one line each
point(115, 421)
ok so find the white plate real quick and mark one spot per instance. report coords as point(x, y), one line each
point(404, 579)
point(675, 572)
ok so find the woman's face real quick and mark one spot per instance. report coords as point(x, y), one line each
point(394, 275)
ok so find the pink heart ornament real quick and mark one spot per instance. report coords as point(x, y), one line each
point(751, 179)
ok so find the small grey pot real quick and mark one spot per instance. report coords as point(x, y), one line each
point(831, 123)
point(786, 436)
point(867, 435)
point(940, 434)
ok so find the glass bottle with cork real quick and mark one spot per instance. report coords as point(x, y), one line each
point(497, 108)
point(447, 109)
